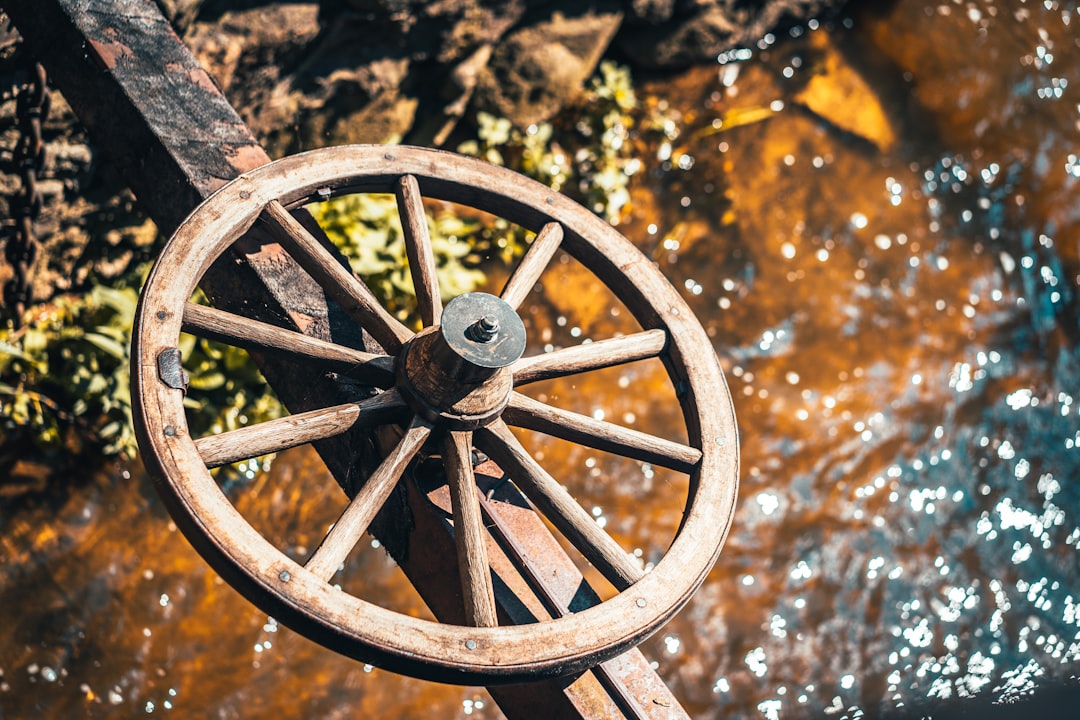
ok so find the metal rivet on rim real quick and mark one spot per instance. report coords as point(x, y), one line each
point(161, 314)
point(244, 194)
point(471, 644)
point(641, 602)
point(284, 576)
point(389, 156)
point(170, 431)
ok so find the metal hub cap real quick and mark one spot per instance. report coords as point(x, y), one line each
point(457, 373)
point(483, 330)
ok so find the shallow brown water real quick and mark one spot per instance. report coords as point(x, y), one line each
point(879, 226)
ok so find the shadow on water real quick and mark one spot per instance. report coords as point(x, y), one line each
point(877, 224)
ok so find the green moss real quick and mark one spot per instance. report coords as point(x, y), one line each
point(588, 152)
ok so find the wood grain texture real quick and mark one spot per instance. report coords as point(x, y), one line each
point(608, 675)
point(239, 331)
point(418, 248)
point(532, 265)
point(552, 499)
point(353, 523)
point(589, 356)
point(427, 379)
point(512, 654)
point(339, 282)
point(525, 412)
point(283, 433)
point(469, 534)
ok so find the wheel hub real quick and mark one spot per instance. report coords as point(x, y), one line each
point(457, 372)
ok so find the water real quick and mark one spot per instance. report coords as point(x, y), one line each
point(896, 308)
point(877, 224)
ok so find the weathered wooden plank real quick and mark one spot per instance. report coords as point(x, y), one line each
point(532, 265)
point(589, 356)
point(559, 506)
point(162, 120)
point(293, 430)
point(247, 333)
point(605, 673)
point(525, 412)
point(362, 509)
point(337, 280)
point(418, 249)
point(469, 532)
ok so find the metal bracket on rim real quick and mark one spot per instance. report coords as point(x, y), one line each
point(171, 371)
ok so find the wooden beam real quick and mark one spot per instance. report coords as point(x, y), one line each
point(164, 125)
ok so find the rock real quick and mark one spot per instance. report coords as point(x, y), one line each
point(305, 75)
point(538, 68)
point(181, 13)
point(838, 94)
point(651, 12)
point(251, 54)
point(444, 47)
point(436, 126)
point(308, 74)
point(664, 34)
point(448, 31)
point(681, 41)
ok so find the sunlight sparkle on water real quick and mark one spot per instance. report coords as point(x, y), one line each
point(755, 661)
point(769, 502)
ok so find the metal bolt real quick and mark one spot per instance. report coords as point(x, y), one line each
point(170, 431)
point(284, 576)
point(471, 644)
point(641, 602)
point(485, 329)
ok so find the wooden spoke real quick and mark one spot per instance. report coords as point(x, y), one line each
point(418, 247)
point(469, 535)
point(525, 412)
point(354, 521)
point(339, 282)
point(559, 506)
point(589, 356)
point(532, 265)
point(284, 433)
point(239, 331)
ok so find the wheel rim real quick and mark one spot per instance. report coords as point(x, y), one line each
point(301, 596)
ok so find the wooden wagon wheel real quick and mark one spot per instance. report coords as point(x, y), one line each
point(450, 387)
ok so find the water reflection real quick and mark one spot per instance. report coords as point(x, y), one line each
point(900, 324)
point(876, 223)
